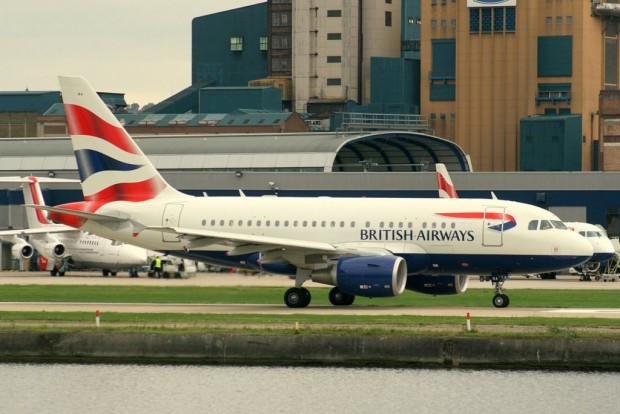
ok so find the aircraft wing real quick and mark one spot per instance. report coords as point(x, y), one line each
point(241, 242)
point(280, 247)
point(43, 230)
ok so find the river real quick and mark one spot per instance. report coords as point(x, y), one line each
point(136, 389)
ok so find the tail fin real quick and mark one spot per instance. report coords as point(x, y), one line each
point(111, 166)
point(444, 183)
point(33, 195)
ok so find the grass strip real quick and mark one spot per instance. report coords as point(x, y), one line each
point(535, 298)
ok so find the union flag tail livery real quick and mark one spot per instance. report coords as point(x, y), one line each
point(111, 166)
point(444, 182)
point(372, 247)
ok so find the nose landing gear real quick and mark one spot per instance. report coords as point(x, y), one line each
point(500, 300)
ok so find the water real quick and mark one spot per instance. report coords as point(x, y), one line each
point(66, 388)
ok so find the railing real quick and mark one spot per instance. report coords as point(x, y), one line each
point(365, 121)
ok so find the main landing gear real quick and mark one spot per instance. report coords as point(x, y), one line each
point(299, 297)
point(500, 300)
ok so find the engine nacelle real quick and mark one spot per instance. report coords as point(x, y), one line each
point(371, 276)
point(22, 250)
point(54, 249)
point(438, 285)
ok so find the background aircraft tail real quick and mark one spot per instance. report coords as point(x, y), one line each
point(111, 166)
point(444, 182)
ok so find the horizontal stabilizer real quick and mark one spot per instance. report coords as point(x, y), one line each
point(83, 214)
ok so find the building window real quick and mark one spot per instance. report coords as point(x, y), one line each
point(281, 41)
point(474, 20)
point(559, 20)
point(334, 59)
point(569, 19)
point(263, 43)
point(334, 81)
point(414, 20)
point(281, 64)
point(498, 19)
point(433, 23)
point(334, 13)
point(334, 36)
point(281, 18)
point(388, 1)
point(492, 20)
point(236, 44)
point(388, 18)
point(486, 20)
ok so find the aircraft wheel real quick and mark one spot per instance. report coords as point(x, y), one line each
point(501, 301)
point(297, 297)
point(61, 273)
point(105, 272)
point(54, 272)
point(339, 298)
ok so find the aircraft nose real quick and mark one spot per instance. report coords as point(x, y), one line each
point(579, 246)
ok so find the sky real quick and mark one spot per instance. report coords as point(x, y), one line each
point(138, 47)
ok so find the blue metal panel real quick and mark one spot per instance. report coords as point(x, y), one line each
point(212, 59)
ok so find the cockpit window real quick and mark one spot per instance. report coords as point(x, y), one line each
point(594, 234)
point(545, 225)
point(559, 224)
point(533, 225)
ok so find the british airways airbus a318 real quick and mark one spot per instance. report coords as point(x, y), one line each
point(373, 247)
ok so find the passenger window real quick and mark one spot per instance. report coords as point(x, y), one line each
point(249, 223)
point(443, 225)
point(222, 223)
point(277, 223)
point(323, 224)
point(313, 223)
point(204, 222)
point(258, 223)
point(231, 223)
point(352, 224)
point(213, 222)
point(533, 225)
point(285, 223)
point(368, 224)
point(267, 223)
point(381, 224)
point(305, 223)
point(240, 223)
point(391, 225)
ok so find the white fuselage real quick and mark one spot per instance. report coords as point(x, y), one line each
point(436, 236)
point(87, 251)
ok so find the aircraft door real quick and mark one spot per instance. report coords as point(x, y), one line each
point(493, 227)
point(171, 218)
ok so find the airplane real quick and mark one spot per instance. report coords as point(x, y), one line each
point(372, 247)
point(64, 245)
point(601, 244)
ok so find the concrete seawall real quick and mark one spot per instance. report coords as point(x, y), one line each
point(349, 350)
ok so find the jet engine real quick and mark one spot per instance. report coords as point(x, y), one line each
point(54, 249)
point(22, 249)
point(370, 276)
point(438, 285)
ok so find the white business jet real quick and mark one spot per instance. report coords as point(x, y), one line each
point(603, 249)
point(373, 247)
point(63, 245)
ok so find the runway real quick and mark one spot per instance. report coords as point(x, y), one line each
point(232, 279)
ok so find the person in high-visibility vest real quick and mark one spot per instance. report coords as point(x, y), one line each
point(157, 267)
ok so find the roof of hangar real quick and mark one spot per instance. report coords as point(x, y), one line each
point(376, 152)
